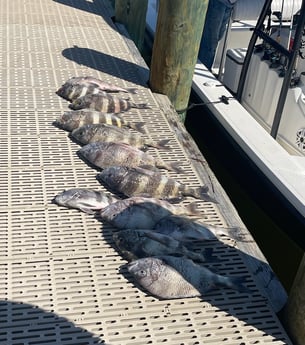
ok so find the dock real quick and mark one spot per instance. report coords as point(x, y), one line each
point(62, 280)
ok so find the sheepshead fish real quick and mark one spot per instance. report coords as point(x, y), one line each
point(74, 119)
point(170, 277)
point(136, 181)
point(70, 92)
point(85, 200)
point(134, 244)
point(103, 132)
point(187, 230)
point(107, 87)
point(107, 154)
point(142, 213)
point(105, 103)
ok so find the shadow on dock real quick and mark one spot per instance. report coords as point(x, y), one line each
point(247, 307)
point(31, 324)
point(93, 7)
point(105, 63)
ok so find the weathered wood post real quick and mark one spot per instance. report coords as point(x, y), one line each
point(132, 13)
point(177, 38)
point(294, 312)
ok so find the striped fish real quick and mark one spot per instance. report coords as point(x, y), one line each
point(71, 120)
point(147, 183)
point(105, 103)
point(107, 154)
point(106, 133)
point(70, 92)
point(104, 86)
point(86, 200)
point(169, 277)
point(143, 213)
point(138, 243)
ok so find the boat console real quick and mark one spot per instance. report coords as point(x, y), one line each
point(268, 76)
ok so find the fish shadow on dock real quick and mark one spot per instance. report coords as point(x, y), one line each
point(247, 307)
point(75, 141)
point(105, 63)
point(27, 320)
point(230, 261)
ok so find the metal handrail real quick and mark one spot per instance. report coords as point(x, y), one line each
point(291, 55)
point(251, 46)
point(290, 67)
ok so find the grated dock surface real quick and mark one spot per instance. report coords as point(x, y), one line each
point(61, 279)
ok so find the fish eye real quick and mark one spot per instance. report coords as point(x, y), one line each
point(142, 273)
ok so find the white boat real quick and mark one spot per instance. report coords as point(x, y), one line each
point(256, 92)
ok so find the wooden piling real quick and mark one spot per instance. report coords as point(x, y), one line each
point(177, 39)
point(294, 313)
point(132, 13)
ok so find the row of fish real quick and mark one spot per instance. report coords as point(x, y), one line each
point(92, 93)
point(151, 229)
point(104, 137)
point(154, 236)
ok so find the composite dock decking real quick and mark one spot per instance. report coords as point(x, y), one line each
point(61, 279)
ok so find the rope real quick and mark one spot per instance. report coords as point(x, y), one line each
point(223, 99)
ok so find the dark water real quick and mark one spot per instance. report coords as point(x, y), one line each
point(255, 201)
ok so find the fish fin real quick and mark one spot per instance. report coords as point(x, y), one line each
point(209, 198)
point(140, 105)
point(131, 90)
point(193, 210)
point(237, 283)
point(87, 210)
point(89, 83)
point(203, 194)
point(163, 239)
point(160, 144)
point(203, 189)
point(207, 253)
point(175, 166)
point(138, 127)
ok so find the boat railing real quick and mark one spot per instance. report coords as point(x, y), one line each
point(289, 54)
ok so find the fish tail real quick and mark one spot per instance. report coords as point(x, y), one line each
point(138, 127)
point(175, 166)
point(198, 193)
point(193, 209)
point(202, 193)
point(161, 144)
point(237, 283)
point(207, 254)
point(169, 166)
point(132, 90)
point(140, 105)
